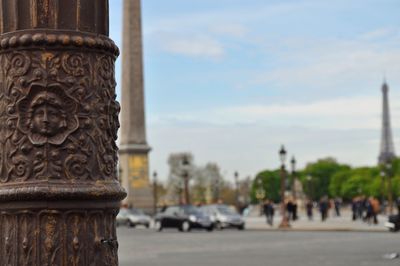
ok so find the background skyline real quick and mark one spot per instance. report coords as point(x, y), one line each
point(232, 81)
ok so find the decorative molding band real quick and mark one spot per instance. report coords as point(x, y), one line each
point(66, 39)
point(47, 190)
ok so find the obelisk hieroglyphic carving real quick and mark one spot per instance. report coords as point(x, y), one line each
point(133, 145)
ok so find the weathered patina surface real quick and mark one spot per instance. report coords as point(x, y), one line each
point(59, 193)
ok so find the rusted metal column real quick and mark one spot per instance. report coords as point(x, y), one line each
point(59, 193)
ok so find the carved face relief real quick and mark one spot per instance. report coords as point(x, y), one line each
point(47, 114)
point(48, 118)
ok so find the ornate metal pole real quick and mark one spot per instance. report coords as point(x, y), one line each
point(186, 187)
point(59, 193)
point(186, 165)
point(293, 183)
point(389, 186)
point(285, 220)
point(236, 176)
point(382, 190)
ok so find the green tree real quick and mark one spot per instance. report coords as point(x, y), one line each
point(321, 173)
point(349, 183)
point(359, 182)
point(270, 185)
point(337, 181)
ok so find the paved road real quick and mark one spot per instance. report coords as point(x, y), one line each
point(141, 247)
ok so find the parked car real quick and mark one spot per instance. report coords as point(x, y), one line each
point(133, 217)
point(393, 223)
point(224, 216)
point(184, 218)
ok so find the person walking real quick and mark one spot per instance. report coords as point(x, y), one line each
point(354, 208)
point(375, 209)
point(337, 202)
point(289, 208)
point(269, 211)
point(323, 208)
point(398, 205)
point(295, 217)
point(369, 211)
point(309, 209)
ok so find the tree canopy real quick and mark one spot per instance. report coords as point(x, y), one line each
point(327, 177)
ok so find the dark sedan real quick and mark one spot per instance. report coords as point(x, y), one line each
point(184, 218)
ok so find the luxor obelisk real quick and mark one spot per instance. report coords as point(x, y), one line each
point(133, 149)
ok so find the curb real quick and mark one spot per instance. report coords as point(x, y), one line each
point(333, 229)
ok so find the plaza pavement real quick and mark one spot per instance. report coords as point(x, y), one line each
point(333, 223)
point(146, 247)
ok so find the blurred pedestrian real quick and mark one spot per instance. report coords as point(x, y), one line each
point(269, 211)
point(369, 211)
point(294, 210)
point(247, 210)
point(323, 208)
point(289, 208)
point(360, 206)
point(398, 205)
point(337, 202)
point(354, 208)
point(309, 209)
point(375, 209)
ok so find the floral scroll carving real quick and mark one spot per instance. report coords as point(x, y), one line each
point(58, 116)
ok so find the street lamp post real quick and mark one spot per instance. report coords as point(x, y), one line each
point(155, 196)
point(309, 178)
point(186, 164)
point(237, 189)
point(217, 189)
point(293, 164)
point(285, 221)
point(389, 188)
point(382, 173)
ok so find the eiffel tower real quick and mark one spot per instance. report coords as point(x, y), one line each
point(387, 148)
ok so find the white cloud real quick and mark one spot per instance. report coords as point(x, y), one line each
point(320, 65)
point(328, 108)
point(229, 29)
point(197, 46)
point(190, 21)
point(342, 113)
point(351, 113)
point(378, 34)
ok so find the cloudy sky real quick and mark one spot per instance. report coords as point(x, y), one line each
point(232, 80)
